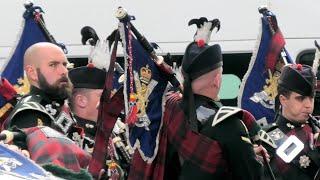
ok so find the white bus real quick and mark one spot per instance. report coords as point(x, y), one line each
point(165, 22)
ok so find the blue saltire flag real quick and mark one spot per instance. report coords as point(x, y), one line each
point(15, 166)
point(144, 89)
point(30, 34)
point(259, 85)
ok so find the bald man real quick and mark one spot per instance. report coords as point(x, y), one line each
point(45, 67)
point(45, 110)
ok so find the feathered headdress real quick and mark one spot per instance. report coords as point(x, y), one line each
point(99, 55)
point(205, 28)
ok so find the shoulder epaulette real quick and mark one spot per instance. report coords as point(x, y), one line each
point(264, 137)
point(30, 103)
point(223, 113)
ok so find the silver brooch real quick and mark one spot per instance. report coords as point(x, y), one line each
point(89, 126)
point(50, 110)
point(276, 135)
point(56, 104)
point(290, 126)
point(304, 161)
point(76, 137)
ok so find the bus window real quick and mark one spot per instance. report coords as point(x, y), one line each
point(235, 65)
point(306, 57)
point(229, 86)
point(79, 61)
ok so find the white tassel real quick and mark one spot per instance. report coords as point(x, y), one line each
point(99, 55)
point(177, 72)
point(204, 32)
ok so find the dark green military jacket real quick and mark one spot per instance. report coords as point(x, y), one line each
point(34, 109)
point(306, 163)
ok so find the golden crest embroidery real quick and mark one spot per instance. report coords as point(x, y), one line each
point(145, 75)
point(5, 108)
point(271, 85)
point(23, 86)
point(142, 90)
point(144, 85)
point(267, 96)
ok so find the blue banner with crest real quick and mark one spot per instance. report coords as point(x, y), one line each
point(259, 85)
point(144, 88)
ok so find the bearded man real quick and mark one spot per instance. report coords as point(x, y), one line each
point(45, 67)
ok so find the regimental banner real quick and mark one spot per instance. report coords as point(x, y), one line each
point(144, 89)
point(13, 67)
point(259, 85)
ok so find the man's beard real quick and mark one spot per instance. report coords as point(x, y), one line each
point(55, 91)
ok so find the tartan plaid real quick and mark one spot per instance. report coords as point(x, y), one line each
point(250, 121)
point(109, 112)
point(141, 170)
point(192, 146)
point(292, 169)
point(55, 150)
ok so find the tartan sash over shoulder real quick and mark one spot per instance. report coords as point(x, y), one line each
point(47, 146)
point(192, 146)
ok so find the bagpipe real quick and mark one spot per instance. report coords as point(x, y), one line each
point(117, 153)
point(145, 71)
point(112, 106)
